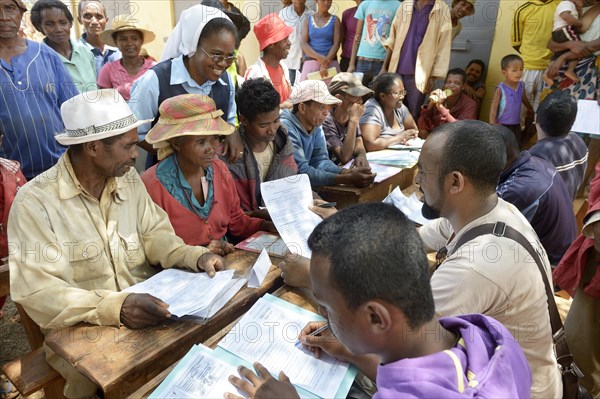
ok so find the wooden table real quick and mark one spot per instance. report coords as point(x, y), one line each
point(350, 195)
point(119, 360)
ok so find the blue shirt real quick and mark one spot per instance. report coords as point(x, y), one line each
point(110, 54)
point(145, 90)
point(310, 151)
point(377, 16)
point(33, 87)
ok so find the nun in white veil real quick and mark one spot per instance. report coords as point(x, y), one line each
point(195, 60)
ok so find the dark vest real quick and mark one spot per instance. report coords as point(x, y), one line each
point(219, 93)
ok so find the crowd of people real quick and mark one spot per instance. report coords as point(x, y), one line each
point(75, 112)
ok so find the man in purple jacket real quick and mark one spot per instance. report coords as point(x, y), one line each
point(374, 290)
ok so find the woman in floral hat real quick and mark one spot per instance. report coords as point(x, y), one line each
point(190, 183)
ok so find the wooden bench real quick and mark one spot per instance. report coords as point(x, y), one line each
point(30, 372)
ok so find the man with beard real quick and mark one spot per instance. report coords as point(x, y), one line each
point(86, 229)
point(459, 167)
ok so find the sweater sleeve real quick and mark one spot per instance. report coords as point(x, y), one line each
point(311, 163)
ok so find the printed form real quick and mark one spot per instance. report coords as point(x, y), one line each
point(288, 201)
point(200, 374)
point(268, 334)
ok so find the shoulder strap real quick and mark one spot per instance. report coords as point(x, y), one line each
point(500, 229)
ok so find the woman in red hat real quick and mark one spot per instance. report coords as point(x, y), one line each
point(273, 39)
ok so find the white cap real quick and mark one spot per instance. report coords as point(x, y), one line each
point(312, 90)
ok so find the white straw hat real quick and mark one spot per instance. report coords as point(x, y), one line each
point(96, 115)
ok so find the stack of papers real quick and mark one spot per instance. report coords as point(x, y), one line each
point(268, 334)
point(189, 293)
point(401, 159)
point(288, 201)
point(410, 206)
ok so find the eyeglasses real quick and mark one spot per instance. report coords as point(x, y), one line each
point(401, 93)
point(217, 58)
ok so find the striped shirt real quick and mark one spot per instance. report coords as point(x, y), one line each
point(33, 86)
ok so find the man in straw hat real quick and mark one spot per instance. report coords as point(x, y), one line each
point(34, 84)
point(342, 132)
point(312, 101)
point(86, 229)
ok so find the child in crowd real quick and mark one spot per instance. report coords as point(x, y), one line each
point(268, 151)
point(566, 28)
point(11, 179)
point(448, 107)
point(321, 35)
point(509, 95)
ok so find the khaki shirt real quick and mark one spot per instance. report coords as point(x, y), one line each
point(70, 254)
point(433, 56)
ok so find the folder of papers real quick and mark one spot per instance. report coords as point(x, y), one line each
point(267, 334)
point(260, 240)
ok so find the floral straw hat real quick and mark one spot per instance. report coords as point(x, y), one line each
point(186, 115)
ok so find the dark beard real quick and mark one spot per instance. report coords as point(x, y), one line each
point(428, 212)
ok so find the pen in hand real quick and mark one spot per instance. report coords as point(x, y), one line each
point(327, 205)
point(314, 333)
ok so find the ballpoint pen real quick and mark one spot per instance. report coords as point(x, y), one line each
point(314, 333)
point(327, 205)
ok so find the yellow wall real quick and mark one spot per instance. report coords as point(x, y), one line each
point(500, 47)
point(157, 15)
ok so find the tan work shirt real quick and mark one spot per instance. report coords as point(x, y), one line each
point(70, 254)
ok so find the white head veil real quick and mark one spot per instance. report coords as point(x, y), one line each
point(184, 38)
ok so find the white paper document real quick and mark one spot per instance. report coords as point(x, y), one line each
point(383, 171)
point(200, 374)
point(410, 206)
point(412, 144)
point(401, 159)
point(288, 201)
point(187, 293)
point(260, 270)
point(588, 117)
point(268, 334)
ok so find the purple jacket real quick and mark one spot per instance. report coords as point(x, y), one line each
point(487, 362)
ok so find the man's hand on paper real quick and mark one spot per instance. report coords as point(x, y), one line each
point(262, 384)
point(210, 263)
point(359, 177)
point(323, 212)
point(360, 161)
point(143, 310)
point(295, 270)
point(324, 342)
point(220, 247)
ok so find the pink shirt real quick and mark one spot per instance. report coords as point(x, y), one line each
point(114, 75)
